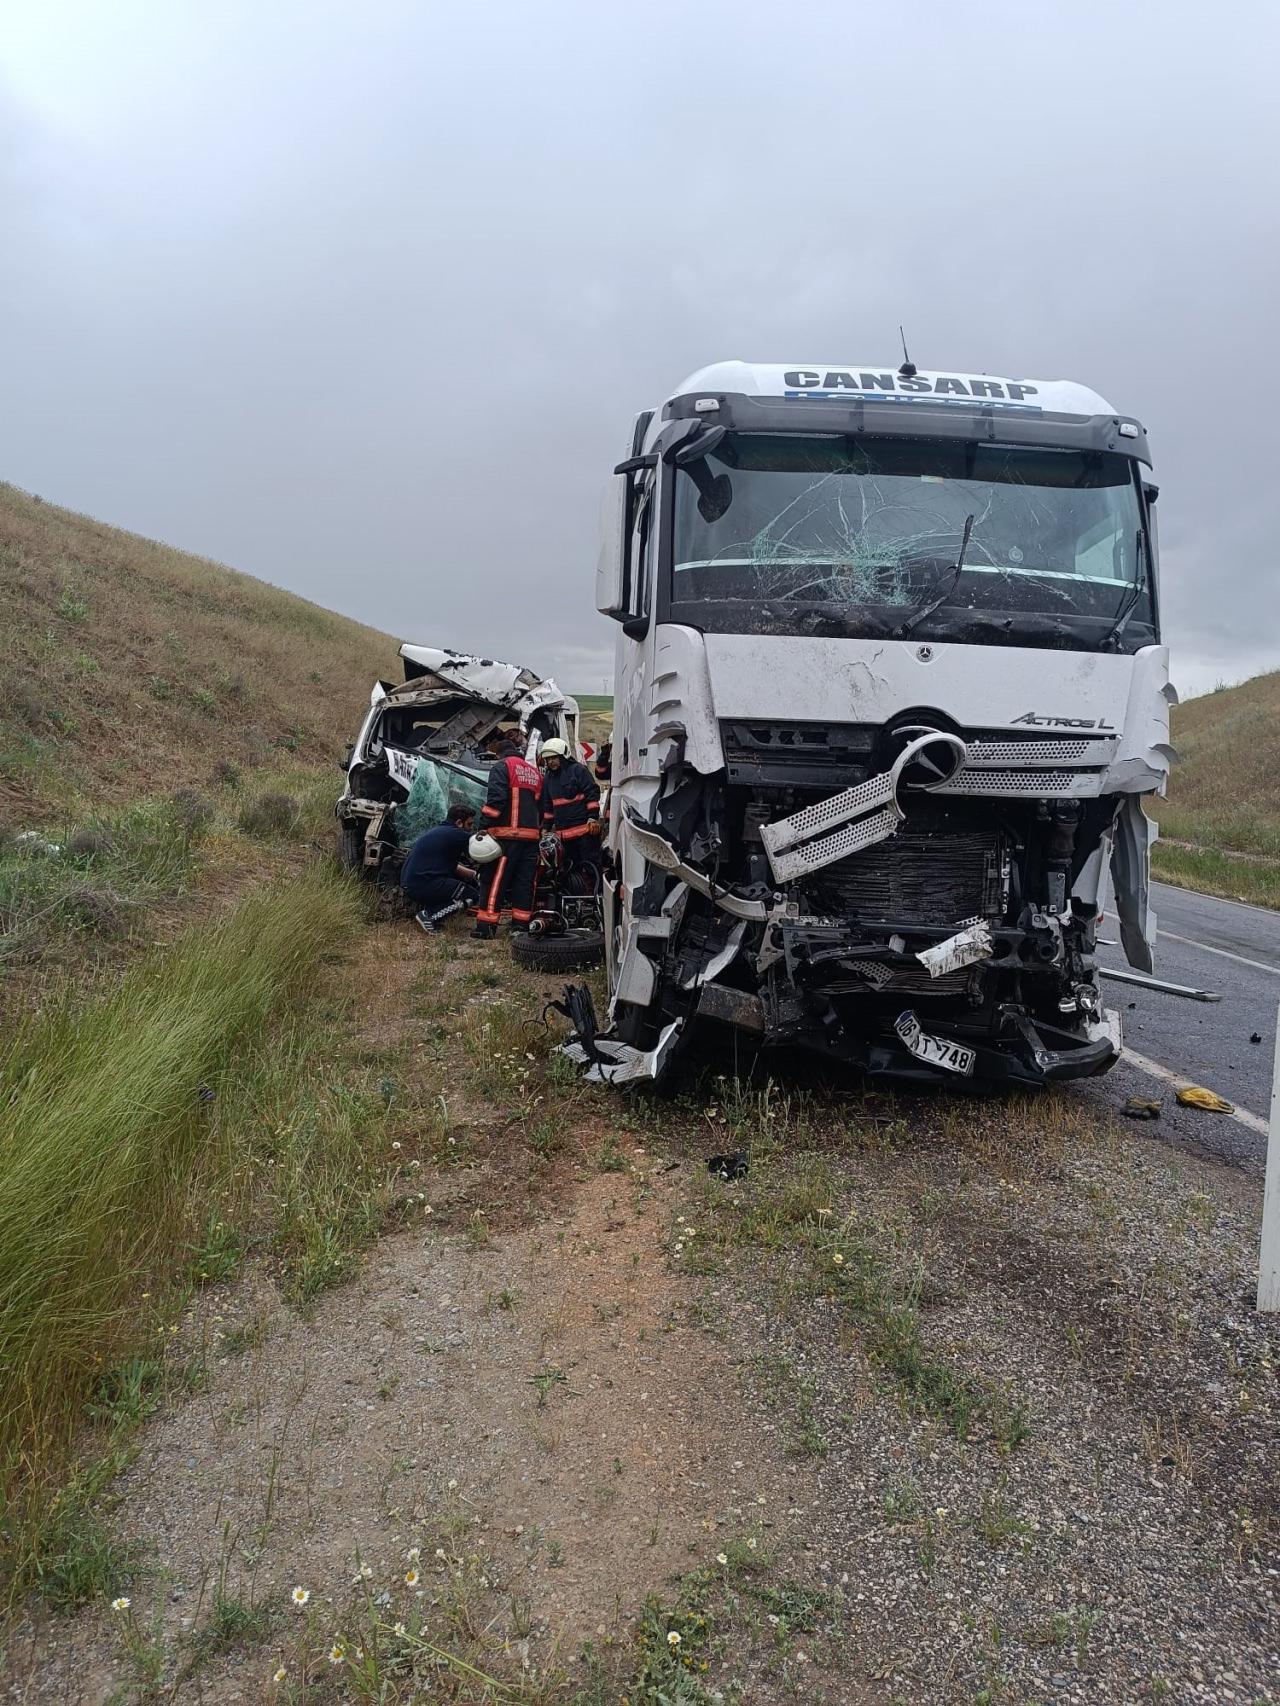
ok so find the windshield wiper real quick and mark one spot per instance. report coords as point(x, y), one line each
point(1129, 603)
point(918, 616)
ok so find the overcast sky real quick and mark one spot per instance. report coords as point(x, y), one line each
point(363, 299)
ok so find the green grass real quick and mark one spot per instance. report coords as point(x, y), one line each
point(111, 1151)
point(1224, 794)
point(97, 880)
point(788, 1210)
point(1210, 871)
point(310, 1155)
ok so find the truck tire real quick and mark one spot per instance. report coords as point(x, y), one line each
point(576, 950)
point(351, 844)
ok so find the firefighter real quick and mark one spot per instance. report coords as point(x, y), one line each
point(435, 875)
point(571, 804)
point(512, 815)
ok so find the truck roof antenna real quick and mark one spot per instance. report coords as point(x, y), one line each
point(908, 368)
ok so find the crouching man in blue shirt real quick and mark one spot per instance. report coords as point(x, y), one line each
point(435, 875)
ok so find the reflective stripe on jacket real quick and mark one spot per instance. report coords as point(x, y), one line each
point(512, 810)
point(570, 800)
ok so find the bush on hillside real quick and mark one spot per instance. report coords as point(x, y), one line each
point(270, 815)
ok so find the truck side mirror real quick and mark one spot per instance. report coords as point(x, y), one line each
point(611, 590)
point(1150, 492)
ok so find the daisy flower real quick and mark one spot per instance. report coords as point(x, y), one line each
point(300, 1596)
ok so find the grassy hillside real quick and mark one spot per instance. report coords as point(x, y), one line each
point(1224, 795)
point(132, 668)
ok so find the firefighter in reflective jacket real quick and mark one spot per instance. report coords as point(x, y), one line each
point(512, 815)
point(571, 804)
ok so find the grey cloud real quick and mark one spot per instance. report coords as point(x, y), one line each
point(364, 304)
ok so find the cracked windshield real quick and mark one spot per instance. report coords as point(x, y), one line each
point(880, 526)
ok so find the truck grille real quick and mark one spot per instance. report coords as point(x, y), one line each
point(920, 876)
point(801, 755)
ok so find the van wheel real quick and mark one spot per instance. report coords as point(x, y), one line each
point(576, 950)
point(351, 844)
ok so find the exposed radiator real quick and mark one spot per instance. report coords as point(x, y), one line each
point(919, 875)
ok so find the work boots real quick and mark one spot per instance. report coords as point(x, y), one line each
point(485, 932)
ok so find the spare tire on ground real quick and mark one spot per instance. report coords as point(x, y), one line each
point(576, 950)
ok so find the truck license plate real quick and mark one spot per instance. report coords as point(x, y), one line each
point(953, 1057)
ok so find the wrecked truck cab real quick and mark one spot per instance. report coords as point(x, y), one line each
point(889, 693)
point(423, 739)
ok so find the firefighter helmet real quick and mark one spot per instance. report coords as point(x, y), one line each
point(483, 849)
point(554, 748)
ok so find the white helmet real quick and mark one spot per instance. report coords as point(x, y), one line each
point(554, 748)
point(483, 850)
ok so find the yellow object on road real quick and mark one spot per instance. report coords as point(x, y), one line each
point(1194, 1096)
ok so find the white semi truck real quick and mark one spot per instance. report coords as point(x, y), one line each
point(889, 694)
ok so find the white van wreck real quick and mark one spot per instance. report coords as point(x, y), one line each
point(889, 693)
point(439, 718)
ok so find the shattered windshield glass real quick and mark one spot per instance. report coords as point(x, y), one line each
point(852, 527)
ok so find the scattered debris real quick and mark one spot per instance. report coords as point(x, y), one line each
point(31, 841)
point(732, 1166)
point(1159, 984)
point(1139, 1108)
point(1255, 1037)
point(965, 948)
point(1195, 1096)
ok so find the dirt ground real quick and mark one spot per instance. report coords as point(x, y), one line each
point(1028, 1454)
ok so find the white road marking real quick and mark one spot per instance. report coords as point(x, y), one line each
point(1190, 942)
point(1155, 1070)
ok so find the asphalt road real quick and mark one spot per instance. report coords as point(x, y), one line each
point(1209, 944)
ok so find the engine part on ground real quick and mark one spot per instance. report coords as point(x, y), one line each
point(618, 1063)
point(608, 1060)
point(732, 1166)
point(577, 1007)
